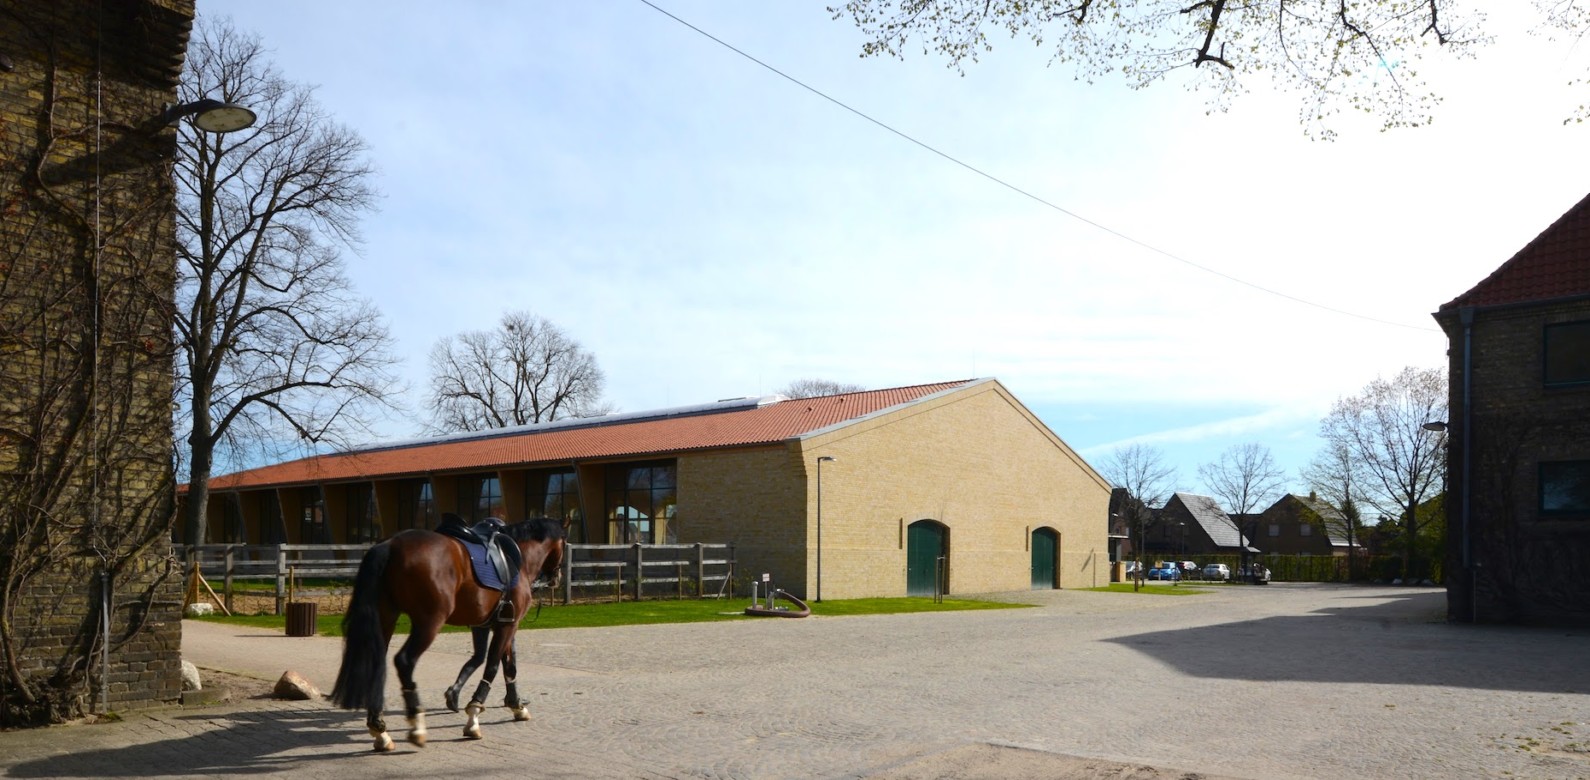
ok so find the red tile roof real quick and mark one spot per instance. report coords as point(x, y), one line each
point(748, 423)
point(1555, 265)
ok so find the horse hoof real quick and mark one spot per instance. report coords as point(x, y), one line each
point(521, 714)
point(472, 733)
point(383, 744)
point(451, 699)
point(418, 739)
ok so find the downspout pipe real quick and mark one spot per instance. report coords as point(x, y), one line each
point(1466, 318)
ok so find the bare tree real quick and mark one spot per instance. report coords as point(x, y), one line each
point(274, 347)
point(1382, 430)
point(1361, 56)
point(813, 388)
point(1142, 472)
point(1246, 479)
point(1332, 475)
point(526, 371)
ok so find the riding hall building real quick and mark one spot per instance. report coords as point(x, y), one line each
point(845, 496)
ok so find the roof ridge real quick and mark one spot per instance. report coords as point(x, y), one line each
point(1520, 263)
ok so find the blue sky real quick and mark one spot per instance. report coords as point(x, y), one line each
point(710, 230)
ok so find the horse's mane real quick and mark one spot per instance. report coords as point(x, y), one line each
point(536, 529)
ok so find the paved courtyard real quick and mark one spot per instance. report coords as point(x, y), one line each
point(1285, 681)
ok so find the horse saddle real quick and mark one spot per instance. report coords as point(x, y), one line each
point(494, 556)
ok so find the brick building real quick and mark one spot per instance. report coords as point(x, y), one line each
point(86, 274)
point(1301, 525)
point(1518, 466)
point(960, 470)
point(1190, 524)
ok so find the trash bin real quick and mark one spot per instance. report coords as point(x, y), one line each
point(1118, 571)
point(301, 618)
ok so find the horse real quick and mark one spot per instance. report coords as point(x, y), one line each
point(427, 576)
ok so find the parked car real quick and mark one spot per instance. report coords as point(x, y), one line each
point(1254, 573)
point(1165, 571)
point(1218, 572)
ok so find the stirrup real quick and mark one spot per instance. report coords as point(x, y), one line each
point(505, 610)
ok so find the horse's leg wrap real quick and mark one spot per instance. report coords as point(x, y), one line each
point(472, 725)
point(520, 711)
point(481, 691)
point(377, 726)
point(411, 703)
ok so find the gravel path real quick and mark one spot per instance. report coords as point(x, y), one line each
point(1285, 681)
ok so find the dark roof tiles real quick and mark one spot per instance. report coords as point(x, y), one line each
point(1554, 265)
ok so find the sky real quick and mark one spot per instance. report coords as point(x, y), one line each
point(1132, 266)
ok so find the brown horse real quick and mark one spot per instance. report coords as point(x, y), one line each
point(427, 576)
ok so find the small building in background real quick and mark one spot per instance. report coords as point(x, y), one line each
point(1301, 525)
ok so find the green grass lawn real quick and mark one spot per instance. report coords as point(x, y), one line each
point(630, 613)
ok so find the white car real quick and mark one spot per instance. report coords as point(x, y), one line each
point(1217, 571)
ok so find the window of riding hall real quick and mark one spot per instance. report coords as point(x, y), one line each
point(416, 508)
point(364, 525)
point(555, 494)
point(640, 501)
point(313, 529)
point(271, 530)
point(480, 497)
point(232, 530)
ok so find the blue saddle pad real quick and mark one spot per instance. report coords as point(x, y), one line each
point(485, 573)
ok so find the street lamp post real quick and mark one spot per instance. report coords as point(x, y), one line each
point(830, 459)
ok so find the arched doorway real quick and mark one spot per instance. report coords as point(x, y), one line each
point(1045, 552)
point(926, 541)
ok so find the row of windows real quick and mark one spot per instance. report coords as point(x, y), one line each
point(1303, 529)
point(640, 503)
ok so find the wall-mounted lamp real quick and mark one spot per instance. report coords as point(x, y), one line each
point(210, 115)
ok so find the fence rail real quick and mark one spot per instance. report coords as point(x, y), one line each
point(597, 571)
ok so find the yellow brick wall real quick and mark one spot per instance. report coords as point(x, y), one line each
point(974, 460)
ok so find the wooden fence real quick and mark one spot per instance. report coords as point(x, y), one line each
point(590, 571)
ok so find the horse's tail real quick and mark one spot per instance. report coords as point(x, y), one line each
point(361, 682)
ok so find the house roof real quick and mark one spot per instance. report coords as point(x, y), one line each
point(1214, 520)
point(733, 423)
point(1554, 265)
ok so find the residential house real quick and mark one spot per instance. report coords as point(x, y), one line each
point(1518, 465)
point(1193, 525)
point(1302, 525)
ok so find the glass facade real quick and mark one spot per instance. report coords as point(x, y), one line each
point(480, 497)
point(640, 502)
point(312, 528)
point(364, 524)
point(555, 493)
point(416, 508)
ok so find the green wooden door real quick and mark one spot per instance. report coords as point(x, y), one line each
point(1045, 542)
point(924, 545)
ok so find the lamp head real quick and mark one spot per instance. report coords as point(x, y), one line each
point(1434, 425)
point(211, 115)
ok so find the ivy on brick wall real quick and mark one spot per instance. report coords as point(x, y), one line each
point(86, 483)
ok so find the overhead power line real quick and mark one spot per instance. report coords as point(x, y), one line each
point(1024, 193)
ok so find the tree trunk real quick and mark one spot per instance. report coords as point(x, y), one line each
point(1412, 542)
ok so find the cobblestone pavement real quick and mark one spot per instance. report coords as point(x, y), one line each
point(1285, 681)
